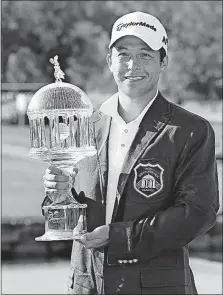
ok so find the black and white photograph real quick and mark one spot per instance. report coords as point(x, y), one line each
point(111, 147)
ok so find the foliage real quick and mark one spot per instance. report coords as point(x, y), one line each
point(79, 31)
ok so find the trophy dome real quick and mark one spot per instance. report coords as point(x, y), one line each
point(60, 98)
point(60, 127)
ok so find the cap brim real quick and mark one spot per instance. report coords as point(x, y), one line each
point(153, 45)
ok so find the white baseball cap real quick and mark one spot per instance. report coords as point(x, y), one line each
point(142, 25)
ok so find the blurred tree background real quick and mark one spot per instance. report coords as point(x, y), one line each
point(79, 32)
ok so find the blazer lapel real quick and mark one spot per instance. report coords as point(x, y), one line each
point(101, 127)
point(153, 122)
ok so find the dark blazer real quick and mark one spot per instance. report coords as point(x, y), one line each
point(167, 196)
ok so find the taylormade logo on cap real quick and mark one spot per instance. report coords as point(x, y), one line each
point(142, 25)
point(125, 25)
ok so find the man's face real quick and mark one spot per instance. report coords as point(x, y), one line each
point(135, 66)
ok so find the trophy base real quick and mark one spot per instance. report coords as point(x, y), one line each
point(59, 236)
point(64, 222)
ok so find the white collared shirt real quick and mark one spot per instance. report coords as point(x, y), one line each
point(120, 139)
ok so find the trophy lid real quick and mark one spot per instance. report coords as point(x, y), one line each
point(59, 98)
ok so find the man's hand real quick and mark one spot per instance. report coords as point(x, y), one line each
point(58, 181)
point(97, 238)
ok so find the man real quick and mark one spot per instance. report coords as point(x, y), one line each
point(152, 187)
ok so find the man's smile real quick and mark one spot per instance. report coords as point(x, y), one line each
point(134, 78)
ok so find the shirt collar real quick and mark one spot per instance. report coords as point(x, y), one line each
point(110, 108)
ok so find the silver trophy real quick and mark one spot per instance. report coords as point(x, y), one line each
point(61, 134)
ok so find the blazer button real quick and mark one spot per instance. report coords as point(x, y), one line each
point(130, 261)
point(125, 261)
point(120, 261)
point(135, 260)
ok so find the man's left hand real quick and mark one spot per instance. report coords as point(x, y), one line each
point(97, 238)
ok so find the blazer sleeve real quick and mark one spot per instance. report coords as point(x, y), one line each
point(193, 213)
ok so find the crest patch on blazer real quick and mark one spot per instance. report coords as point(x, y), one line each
point(148, 179)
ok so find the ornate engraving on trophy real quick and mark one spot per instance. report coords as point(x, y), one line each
point(61, 134)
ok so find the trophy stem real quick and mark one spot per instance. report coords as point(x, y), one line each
point(65, 218)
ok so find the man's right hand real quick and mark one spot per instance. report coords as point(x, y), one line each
point(56, 180)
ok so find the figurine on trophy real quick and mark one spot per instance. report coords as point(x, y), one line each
point(61, 134)
point(59, 74)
